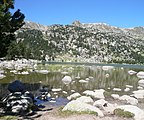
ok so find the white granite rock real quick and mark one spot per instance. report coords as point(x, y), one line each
point(73, 96)
point(64, 73)
point(117, 89)
point(96, 93)
point(85, 99)
point(2, 76)
point(72, 91)
point(83, 81)
point(140, 88)
point(129, 86)
point(99, 93)
point(65, 92)
point(140, 74)
point(129, 99)
point(100, 104)
point(87, 79)
point(115, 96)
point(107, 75)
point(139, 114)
point(127, 89)
point(25, 73)
point(56, 89)
point(110, 108)
point(67, 79)
point(138, 94)
point(78, 106)
point(105, 68)
point(42, 71)
point(141, 83)
point(131, 72)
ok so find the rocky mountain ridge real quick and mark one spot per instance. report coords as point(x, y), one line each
point(96, 42)
point(136, 32)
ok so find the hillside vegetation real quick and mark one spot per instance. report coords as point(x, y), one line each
point(91, 42)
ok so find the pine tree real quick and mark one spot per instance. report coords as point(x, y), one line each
point(9, 23)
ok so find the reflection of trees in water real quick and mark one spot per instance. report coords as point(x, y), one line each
point(3, 90)
point(29, 87)
point(117, 78)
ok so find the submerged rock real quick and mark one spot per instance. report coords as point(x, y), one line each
point(131, 72)
point(105, 68)
point(64, 73)
point(56, 89)
point(129, 86)
point(2, 76)
point(42, 71)
point(67, 79)
point(117, 89)
point(83, 81)
point(127, 89)
point(96, 93)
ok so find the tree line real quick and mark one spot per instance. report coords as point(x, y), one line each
point(9, 24)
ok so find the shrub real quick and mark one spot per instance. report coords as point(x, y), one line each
point(122, 113)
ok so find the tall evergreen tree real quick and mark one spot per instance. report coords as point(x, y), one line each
point(9, 23)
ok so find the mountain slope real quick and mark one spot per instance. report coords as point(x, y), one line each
point(83, 42)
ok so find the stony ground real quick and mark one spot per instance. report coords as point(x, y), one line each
point(54, 115)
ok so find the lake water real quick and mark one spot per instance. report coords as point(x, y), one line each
point(97, 77)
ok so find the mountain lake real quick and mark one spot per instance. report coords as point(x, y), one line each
point(113, 79)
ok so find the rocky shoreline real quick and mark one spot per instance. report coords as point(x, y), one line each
point(100, 103)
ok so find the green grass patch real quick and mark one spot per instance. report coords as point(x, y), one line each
point(68, 112)
point(8, 117)
point(107, 94)
point(61, 67)
point(122, 113)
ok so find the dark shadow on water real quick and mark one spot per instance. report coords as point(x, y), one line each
point(32, 87)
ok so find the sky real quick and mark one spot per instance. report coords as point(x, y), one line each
point(119, 13)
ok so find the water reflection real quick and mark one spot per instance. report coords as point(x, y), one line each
point(97, 78)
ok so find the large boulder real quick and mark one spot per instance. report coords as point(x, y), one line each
point(18, 102)
point(115, 96)
point(85, 99)
point(130, 100)
point(138, 113)
point(141, 83)
point(78, 106)
point(100, 104)
point(99, 94)
point(73, 96)
point(67, 79)
point(138, 94)
point(140, 74)
point(16, 86)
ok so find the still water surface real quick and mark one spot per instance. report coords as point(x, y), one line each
point(97, 78)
